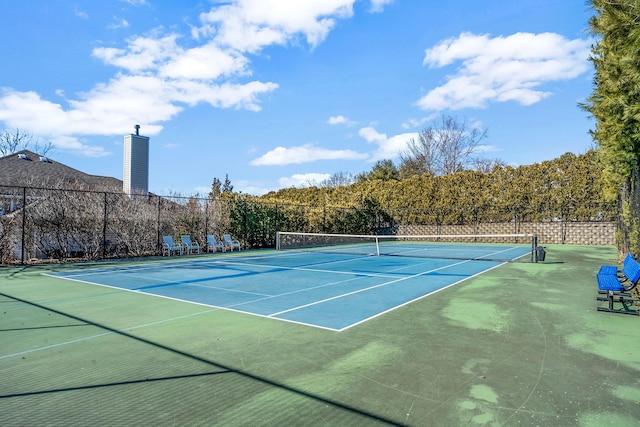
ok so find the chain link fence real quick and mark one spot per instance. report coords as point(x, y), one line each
point(628, 226)
point(54, 224)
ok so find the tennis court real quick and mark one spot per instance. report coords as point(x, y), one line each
point(332, 286)
point(518, 345)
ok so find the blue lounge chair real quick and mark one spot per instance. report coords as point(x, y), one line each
point(169, 247)
point(188, 245)
point(231, 243)
point(213, 245)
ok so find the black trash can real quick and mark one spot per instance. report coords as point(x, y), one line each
point(540, 253)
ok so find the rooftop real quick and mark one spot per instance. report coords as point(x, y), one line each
point(26, 168)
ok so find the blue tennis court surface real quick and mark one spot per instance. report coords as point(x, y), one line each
point(331, 291)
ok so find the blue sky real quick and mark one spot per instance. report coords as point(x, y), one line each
point(281, 93)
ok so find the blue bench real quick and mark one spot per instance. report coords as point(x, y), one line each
point(613, 269)
point(617, 284)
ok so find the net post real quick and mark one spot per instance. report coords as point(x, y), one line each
point(534, 247)
point(277, 240)
point(377, 246)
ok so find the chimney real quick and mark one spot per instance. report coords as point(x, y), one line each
point(136, 164)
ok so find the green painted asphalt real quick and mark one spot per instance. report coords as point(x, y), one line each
point(520, 345)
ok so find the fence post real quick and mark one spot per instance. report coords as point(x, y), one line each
point(24, 221)
point(276, 224)
point(158, 244)
point(104, 228)
point(245, 213)
point(206, 218)
point(324, 217)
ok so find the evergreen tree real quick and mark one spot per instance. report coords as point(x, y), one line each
point(227, 187)
point(216, 189)
point(615, 105)
point(383, 170)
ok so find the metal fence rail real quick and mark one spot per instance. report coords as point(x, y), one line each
point(47, 223)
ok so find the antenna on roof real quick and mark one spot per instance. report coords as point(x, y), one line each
point(137, 129)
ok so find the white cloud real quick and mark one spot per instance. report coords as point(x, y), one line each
point(118, 23)
point(378, 5)
point(111, 108)
point(340, 120)
point(19, 108)
point(248, 187)
point(413, 123)
point(73, 144)
point(228, 27)
point(141, 54)
point(161, 80)
point(108, 108)
point(487, 149)
point(229, 95)
point(307, 153)
point(158, 76)
point(135, 2)
point(164, 56)
point(205, 63)
point(388, 147)
point(80, 13)
point(303, 180)
point(248, 25)
point(502, 69)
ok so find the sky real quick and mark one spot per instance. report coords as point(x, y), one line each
point(287, 93)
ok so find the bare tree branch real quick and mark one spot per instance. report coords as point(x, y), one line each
point(442, 149)
point(11, 142)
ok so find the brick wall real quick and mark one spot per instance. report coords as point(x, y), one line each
point(569, 233)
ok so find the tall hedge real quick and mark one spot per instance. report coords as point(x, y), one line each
point(615, 105)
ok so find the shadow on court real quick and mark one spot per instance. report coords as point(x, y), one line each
point(353, 413)
point(521, 344)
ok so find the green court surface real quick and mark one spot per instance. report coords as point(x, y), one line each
point(521, 345)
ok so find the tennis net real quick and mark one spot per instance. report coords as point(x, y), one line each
point(490, 247)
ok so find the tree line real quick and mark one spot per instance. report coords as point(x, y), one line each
point(568, 188)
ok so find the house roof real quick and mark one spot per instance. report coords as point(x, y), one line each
point(26, 168)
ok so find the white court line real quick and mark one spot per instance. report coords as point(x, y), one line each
point(359, 275)
point(265, 296)
point(504, 250)
point(135, 268)
point(141, 290)
point(415, 299)
point(141, 267)
point(369, 288)
point(297, 291)
point(48, 347)
point(315, 270)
